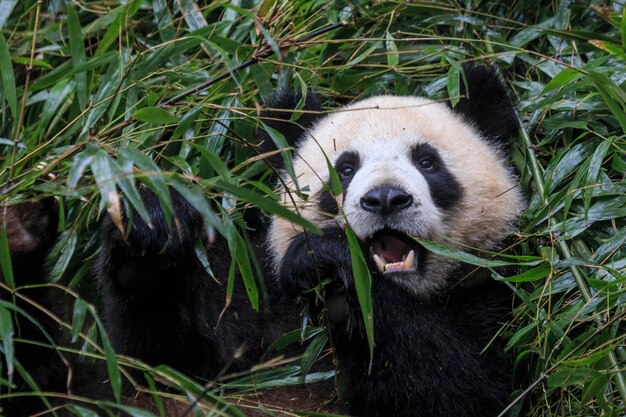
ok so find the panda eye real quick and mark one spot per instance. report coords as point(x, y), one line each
point(426, 163)
point(346, 171)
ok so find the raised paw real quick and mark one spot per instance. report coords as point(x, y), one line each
point(144, 250)
point(311, 260)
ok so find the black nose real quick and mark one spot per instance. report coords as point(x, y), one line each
point(386, 200)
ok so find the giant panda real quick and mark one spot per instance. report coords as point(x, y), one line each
point(409, 168)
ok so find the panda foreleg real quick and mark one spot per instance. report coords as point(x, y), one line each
point(156, 296)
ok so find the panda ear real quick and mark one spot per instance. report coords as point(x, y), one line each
point(487, 104)
point(279, 117)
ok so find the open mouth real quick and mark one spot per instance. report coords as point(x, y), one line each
point(394, 251)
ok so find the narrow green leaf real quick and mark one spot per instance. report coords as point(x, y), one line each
point(79, 316)
point(562, 78)
point(164, 19)
point(245, 268)
point(363, 286)
point(113, 369)
point(333, 182)
point(7, 77)
point(468, 258)
point(154, 115)
point(566, 376)
point(192, 14)
point(6, 335)
point(531, 275)
point(82, 412)
point(79, 57)
point(392, 50)
point(312, 352)
point(623, 28)
point(268, 205)
point(596, 388)
point(5, 256)
point(453, 82)
point(68, 245)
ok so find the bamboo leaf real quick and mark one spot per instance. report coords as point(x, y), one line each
point(154, 115)
point(7, 77)
point(79, 57)
point(363, 286)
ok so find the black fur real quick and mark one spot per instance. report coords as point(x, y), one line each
point(444, 188)
point(161, 306)
point(487, 104)
point(429, 359)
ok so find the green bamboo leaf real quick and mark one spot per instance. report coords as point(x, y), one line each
point(453, 81)
point(531, 275)
point(268, 205)
point(79, 315)
point(392, 50)
point(67, 243)
point(82, 412)
point(7, 77)
point(6, 335)
point(566, 376)
point(279, 141)
point(164, 19)
point(596, 388)
point(363, 286)
point(113, 369)
point(312, 352)
point(563, 78)
point(623, 28)
point(334, 183)
point(468, 258)
point(192, 14)
point(154, 115)
point(294, 336)
point(79, 57)
point(245, 268)
point(5, 256)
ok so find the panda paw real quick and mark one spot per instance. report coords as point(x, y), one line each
point(155, 245)
point(315, 261)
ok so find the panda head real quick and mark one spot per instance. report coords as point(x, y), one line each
point(409, 167)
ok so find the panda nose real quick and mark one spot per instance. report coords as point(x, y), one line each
point(386, 200)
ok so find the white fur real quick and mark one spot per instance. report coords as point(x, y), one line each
point(382, 131)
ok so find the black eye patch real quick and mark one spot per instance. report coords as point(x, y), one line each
point(346, 167)
point(444, 187)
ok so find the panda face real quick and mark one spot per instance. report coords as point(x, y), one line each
point(409, 167)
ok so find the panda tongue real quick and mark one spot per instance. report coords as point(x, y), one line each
point(390, 248)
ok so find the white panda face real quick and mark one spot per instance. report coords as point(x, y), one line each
point(409, 167)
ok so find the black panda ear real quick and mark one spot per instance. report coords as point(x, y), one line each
point(487, 103)
point(279, 117)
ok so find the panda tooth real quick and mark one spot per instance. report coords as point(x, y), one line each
point(379, 263)
point(409, 261)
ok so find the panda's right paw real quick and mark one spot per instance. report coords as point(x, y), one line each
point(315, 261)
